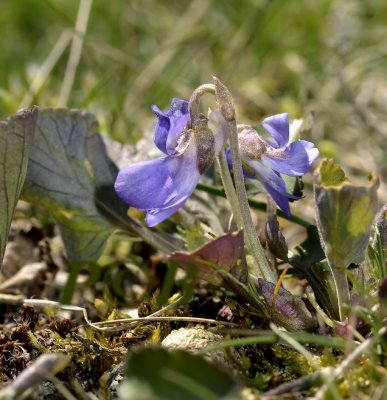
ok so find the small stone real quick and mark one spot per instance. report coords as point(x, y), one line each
point(195, 339)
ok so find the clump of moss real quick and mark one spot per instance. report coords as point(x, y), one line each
point(266, 367)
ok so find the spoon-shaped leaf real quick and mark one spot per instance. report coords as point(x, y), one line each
point(345, 213)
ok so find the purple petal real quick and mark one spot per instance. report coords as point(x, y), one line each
point(159, 186)
point(170, 125)
point(156, 215)
point(280, 199)
point(296, 159)
point(273, 183)
point(247, 171)
point(278, 127)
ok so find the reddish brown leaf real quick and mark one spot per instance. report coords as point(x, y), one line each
point(225, 253)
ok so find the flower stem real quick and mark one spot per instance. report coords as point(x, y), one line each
point(229, 188)
point(255, 248)
point(252, 240)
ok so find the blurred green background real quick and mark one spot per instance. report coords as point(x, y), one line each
point(326, 57)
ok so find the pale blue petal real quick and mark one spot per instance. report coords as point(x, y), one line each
point(156, 215)
point(159, 186)
point(278, 127)
point(273, 183)
point(296, 159)
point(280, 198)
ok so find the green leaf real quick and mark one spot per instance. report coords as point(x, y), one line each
point(306, 257)
point(345, 213)
point(71, 176)
point(275, 239)
point(308, 252)
point(16, 134)
point(156, 373)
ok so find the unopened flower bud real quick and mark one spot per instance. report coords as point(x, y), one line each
point(205, 144)
point(224, 99)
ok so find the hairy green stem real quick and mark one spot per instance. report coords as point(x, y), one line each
point(229, 187)
point(262, 267)
point(252, 241)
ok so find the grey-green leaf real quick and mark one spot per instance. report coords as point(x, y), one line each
point(16, 134)
point(71, 176)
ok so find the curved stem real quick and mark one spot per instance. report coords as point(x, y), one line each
point(194, 101)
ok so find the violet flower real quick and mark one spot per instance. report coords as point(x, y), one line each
point(163, 185)
point(265, 160)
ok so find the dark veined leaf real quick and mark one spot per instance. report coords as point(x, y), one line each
point(289, 311)
point(71, 176)
point(307, 257)
point(275, 238)
point(381, 225)
point(16, 134)
point(308, 252)
point(382, 293)
point(156, 373)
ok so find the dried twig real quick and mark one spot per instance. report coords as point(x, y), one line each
point(126, 323)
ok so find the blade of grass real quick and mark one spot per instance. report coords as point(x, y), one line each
point(46, 68)
point(269, 337)
point(75, 51)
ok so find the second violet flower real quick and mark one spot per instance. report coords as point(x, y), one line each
point(266, 160)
